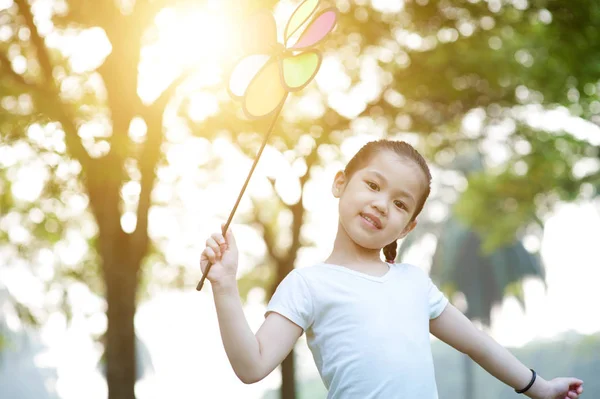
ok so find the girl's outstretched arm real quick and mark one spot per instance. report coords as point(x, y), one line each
point(455, 329)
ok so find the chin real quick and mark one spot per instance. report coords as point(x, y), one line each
point(362, 239)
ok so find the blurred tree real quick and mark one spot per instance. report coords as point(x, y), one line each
point(45, 107)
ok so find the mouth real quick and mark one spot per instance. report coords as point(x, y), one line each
point(372, 220)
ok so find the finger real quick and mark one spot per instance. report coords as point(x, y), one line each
point(203, 262)
point(212, 244)
point(219, 239)
point(210, 255)
point(230, 239)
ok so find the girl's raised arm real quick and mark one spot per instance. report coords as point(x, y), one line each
point(252, 357)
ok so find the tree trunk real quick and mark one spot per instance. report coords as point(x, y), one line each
point(121, 259)
point(121, 283)
point(288, 377)
point(469, 378)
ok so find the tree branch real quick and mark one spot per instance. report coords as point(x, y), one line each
point(297, 209)
point(593, 178)
point(147, 164)
point(148, 160)
point(72, 139)
point(163, 99)
point(6, 66)
point(38, 42)
point(269, 234)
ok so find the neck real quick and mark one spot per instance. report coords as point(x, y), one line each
point(347, 253)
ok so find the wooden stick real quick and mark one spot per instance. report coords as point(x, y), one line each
point(226, 226)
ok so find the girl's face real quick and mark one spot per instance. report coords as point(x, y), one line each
point(377, 202)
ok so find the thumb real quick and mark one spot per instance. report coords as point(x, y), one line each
point(229, 238)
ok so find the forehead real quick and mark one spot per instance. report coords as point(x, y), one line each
point(400, 173)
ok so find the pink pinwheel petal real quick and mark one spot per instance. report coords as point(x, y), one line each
point(317, 30)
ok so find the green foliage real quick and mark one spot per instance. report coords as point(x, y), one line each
point(527, 187)
point(261, 276)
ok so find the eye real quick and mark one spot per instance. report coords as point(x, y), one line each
point(372, 186)
point(401, 205)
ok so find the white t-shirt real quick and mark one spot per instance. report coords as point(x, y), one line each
point(369, 335)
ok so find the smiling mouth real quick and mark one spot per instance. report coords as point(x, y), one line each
point(373, 223)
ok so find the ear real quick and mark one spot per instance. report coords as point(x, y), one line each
point(339, 182)
point(409, 227)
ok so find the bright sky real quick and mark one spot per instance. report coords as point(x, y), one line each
point(180, 329)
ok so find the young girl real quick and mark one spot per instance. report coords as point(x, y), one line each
point(367, 322)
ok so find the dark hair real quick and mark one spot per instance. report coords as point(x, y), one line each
point(402, 149)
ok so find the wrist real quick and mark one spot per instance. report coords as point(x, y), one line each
point(539, 389)
point(224, 286)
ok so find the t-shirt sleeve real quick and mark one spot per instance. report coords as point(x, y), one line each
point(292, 299)
point(437, 300)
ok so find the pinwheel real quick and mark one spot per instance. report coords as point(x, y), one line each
point(263, 80)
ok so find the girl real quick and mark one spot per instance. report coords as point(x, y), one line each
point(367, 321)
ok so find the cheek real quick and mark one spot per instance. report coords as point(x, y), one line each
point(401, 220)
point(343, 207)
point(349, 207)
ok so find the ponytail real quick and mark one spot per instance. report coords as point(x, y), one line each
point(390, 252)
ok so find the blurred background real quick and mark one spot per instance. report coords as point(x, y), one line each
point(121, 152)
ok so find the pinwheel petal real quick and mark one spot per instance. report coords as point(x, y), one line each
point(323, 23)
point(297, 71)
point(259, 33)
point(299, 17)
point(265, 92)
point(243, 73)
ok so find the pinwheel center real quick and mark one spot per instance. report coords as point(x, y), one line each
point(279, 50)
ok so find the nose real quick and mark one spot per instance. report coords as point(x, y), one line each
point(379, 205)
